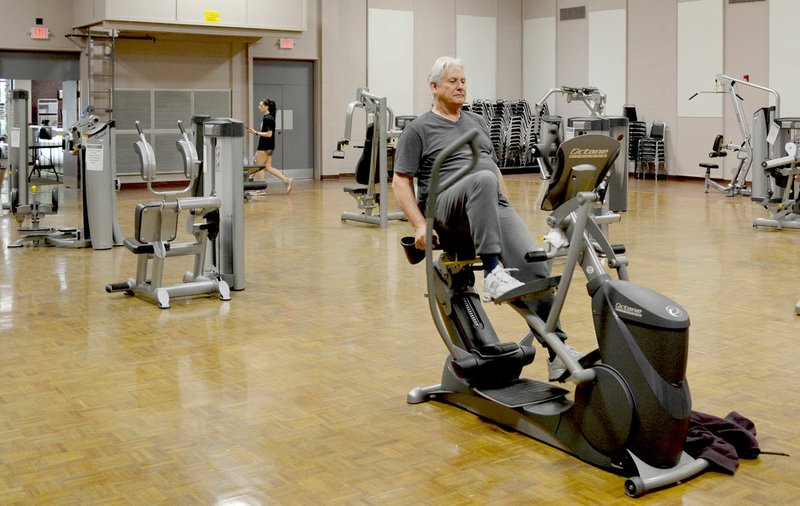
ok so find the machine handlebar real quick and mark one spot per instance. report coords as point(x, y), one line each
point(776, 163)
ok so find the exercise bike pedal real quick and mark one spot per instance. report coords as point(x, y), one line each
point(522, 392)
point(532, 289)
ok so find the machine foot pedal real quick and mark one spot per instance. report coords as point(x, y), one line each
point(522, 392)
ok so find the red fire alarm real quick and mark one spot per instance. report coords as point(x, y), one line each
point(286, 43)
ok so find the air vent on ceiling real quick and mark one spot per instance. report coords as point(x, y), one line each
point(743, 1)
point(571, 13)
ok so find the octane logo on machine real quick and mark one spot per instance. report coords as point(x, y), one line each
point(628, 310)
point(588, 153)
point(674, 311)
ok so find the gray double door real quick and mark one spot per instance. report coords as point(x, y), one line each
point(290, 85)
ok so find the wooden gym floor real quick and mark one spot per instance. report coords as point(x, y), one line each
point(294, 391)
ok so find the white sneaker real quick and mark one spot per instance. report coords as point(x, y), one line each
point(499, 281)
point(557, 368)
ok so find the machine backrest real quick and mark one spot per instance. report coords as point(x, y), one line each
point(365, 160)
point(597, 151)
point(717, 149)
point(155, 223)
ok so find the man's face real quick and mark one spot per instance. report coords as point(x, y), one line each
point(452, 89)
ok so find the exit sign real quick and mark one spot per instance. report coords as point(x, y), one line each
point(40, 32)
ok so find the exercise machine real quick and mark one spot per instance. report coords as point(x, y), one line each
point(223, 140)
point(253, 187)
point(28, 204)
point(631, 404)
point(373, 167)
point(249, 186)
point(593, 98)
point(93, 141)
point(156, 228)
point(551, 128)
point(785, 172)
point(615, 127)
point(720, 149)
point(751, 151)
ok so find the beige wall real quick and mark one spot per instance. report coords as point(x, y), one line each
point(434, 36)
point(337, 36)
point(343, 69)
point(509, 49)
point(652, 70)
point(184, 63)
point(343, 56)
point(18, 17)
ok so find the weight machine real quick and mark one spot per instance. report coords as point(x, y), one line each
point(785, 172)
point(750, 149)
point(373, 166)
point(156, 228)
point(26, 203)
point(93, 142)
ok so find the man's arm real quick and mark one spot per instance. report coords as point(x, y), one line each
point(403, 187)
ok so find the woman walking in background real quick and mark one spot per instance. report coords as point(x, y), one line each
point(266, 143)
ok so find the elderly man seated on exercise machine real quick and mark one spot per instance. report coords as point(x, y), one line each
point(476, 207)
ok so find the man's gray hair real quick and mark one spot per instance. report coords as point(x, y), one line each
point(439, 65)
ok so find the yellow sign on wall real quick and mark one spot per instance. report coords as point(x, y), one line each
point(211, 16)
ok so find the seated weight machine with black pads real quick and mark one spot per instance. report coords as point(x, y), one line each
point(719, 149)
point(156, 226)
point(631, 406)
point(753, 148)
point(375, 164)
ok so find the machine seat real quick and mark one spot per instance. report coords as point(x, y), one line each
point(140, 248)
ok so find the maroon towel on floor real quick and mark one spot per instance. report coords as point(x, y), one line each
point(721, 441)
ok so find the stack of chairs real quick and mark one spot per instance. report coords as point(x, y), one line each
point(652, 153)
point(637, 130)
point(510, 123)
point(498, 122)
point(517, 140)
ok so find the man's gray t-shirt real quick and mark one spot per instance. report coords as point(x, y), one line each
point(425, 137)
